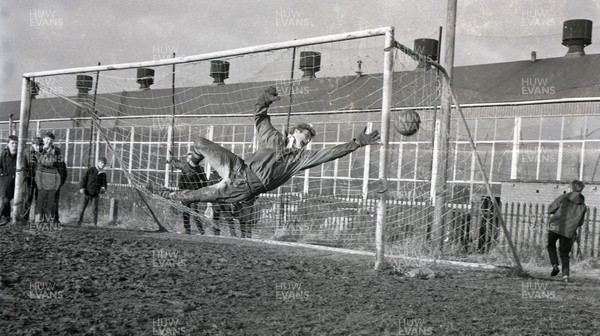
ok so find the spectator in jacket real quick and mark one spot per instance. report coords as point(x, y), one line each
point(266, 169)
point(47, 179)
point(568, 212)
point(192, 177)
point(62, 171)
point(91, 186)
point(32, 158)
point(8, 170)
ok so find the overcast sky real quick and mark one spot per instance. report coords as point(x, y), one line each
point(48, 35)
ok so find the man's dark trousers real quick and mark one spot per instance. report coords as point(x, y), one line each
point(564, 248)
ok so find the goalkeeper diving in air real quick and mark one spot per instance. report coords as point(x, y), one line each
point(273, 164)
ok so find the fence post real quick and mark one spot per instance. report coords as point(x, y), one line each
point(131, 145)
point(585, 231)
point(516, 233)
point(592, 245)
point(113, 211)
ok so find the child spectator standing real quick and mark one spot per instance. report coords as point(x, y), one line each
point(92, 185)
point(47, 179)
point(8, 169)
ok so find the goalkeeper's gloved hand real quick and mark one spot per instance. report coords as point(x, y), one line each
point(365, 139)
point(268, 97)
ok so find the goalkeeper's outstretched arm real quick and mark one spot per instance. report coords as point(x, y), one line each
point(267, 134)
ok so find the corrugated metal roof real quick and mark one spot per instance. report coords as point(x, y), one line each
point(487, 83)
point(525, 80)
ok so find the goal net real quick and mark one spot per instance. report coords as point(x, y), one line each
point(140, 116)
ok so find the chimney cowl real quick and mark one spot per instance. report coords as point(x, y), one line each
point(533, 56)
point(577, 34)
point(426, 47)
point(84, 83)
point(310, 63)
point(145, 77)
point(219, 71)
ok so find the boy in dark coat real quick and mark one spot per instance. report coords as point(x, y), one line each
point(8, 170)
point(568, 212)
point(192, 177)
point(93, 183)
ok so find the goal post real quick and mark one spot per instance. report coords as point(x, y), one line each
point(377, 198)
point(386, 105)
point(54, 87)
point(25, 109)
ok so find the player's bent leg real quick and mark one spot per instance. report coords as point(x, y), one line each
point(220, 159)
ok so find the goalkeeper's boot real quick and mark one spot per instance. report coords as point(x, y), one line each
point(555, 270)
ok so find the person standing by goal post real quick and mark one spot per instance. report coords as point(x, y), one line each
point(47, 180)
point(8, 170)
point(93, 183)
point(568, 213)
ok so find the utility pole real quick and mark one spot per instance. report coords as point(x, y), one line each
point(439, 188)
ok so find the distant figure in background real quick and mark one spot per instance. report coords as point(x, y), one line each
point(32, 159)
point(62, 171)
point(192, 177)
point(93, 183)
point(8, 170)
point(568, 212)
point(47, 179)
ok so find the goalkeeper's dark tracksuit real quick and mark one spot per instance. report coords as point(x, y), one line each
point(264, 170)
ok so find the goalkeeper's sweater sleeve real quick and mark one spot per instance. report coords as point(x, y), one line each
point(312, 158)
point(267, 134)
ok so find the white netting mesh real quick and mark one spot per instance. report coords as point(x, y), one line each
point(333, 204)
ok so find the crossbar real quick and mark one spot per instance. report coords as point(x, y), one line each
point(219, 54)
